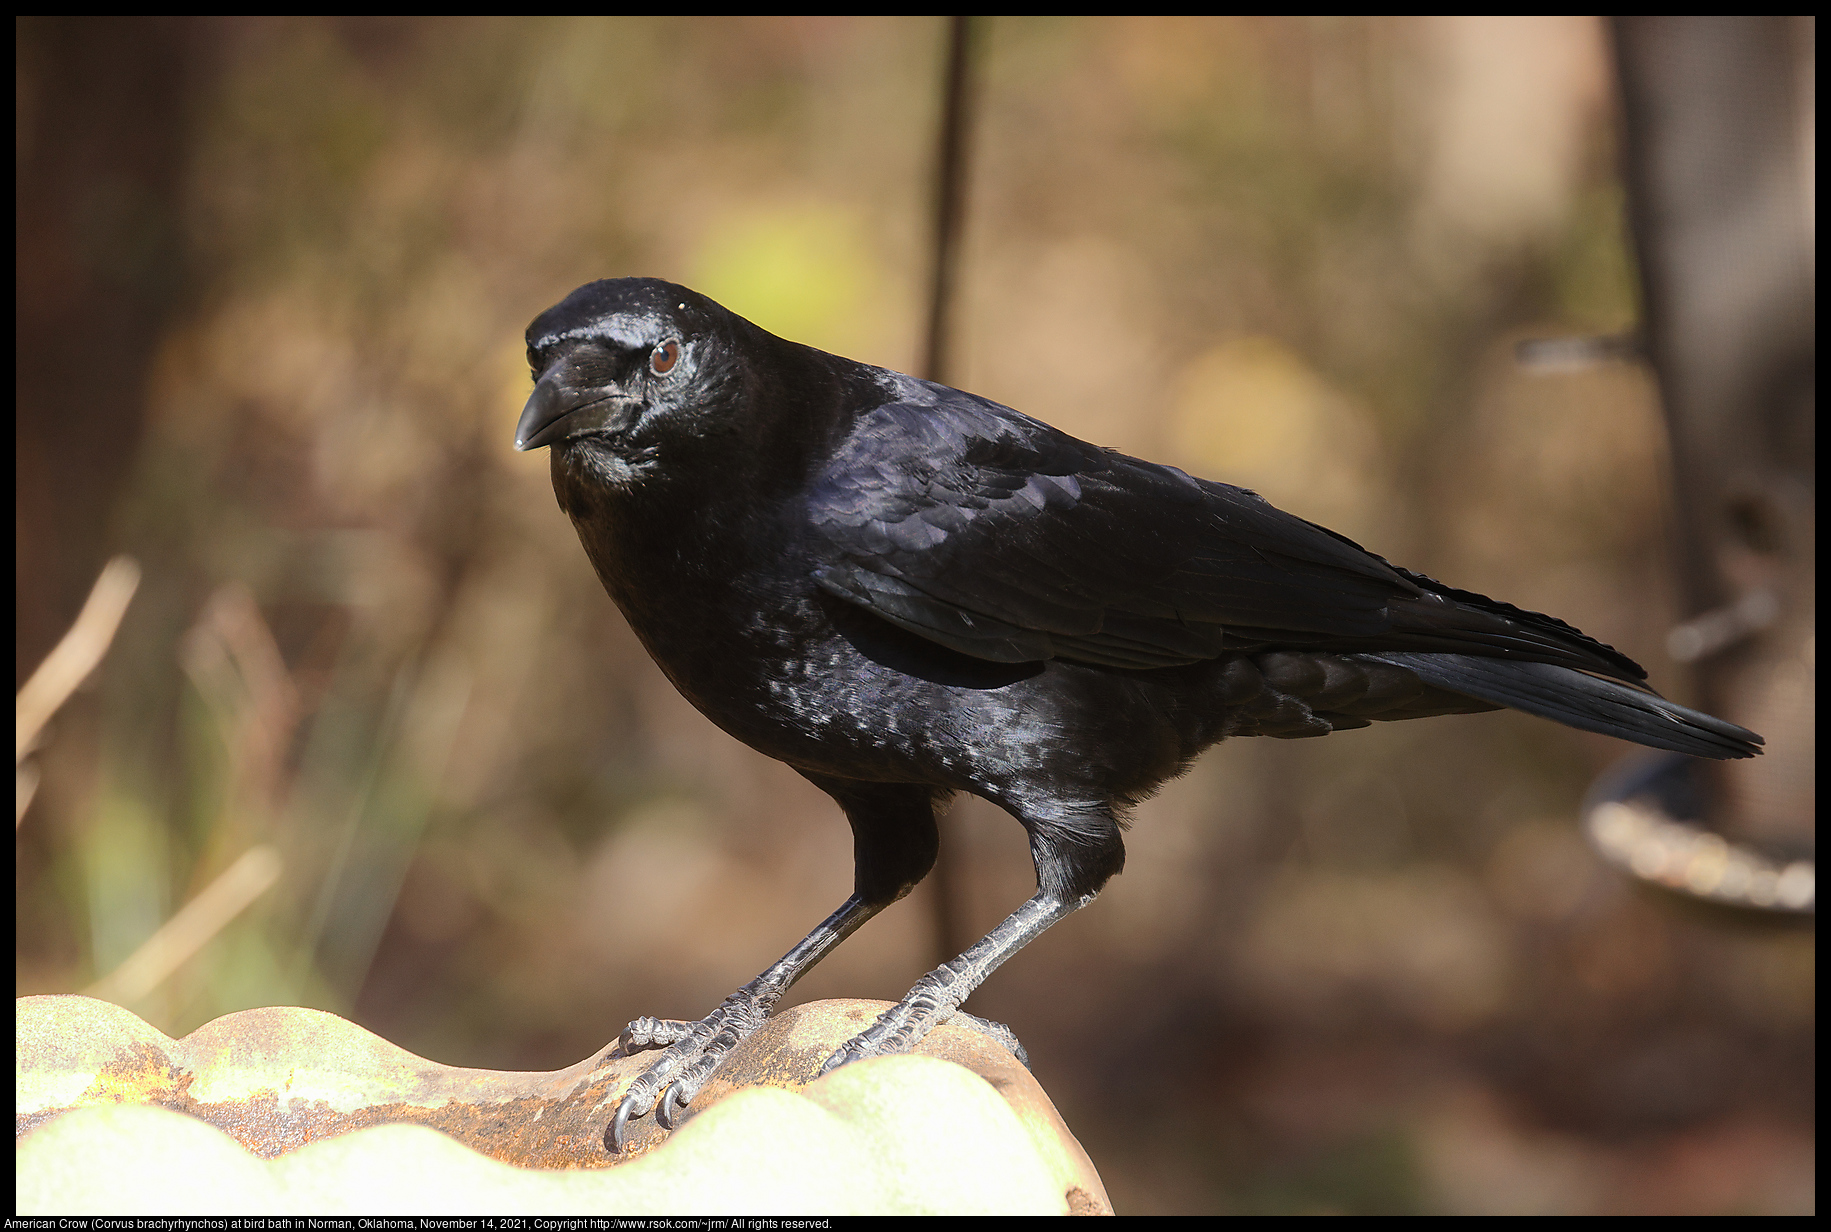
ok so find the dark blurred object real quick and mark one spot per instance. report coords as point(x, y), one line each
point(1718, 119)
point(101, 128)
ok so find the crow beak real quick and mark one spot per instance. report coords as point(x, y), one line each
point(540, 419)
point(549, 415)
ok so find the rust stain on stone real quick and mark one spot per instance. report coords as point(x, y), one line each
point(277, 1079)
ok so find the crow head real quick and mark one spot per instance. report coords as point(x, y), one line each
point(629, 373)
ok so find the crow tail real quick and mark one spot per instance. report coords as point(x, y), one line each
point(1580, 700)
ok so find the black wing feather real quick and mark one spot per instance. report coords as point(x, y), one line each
point(1002, 538)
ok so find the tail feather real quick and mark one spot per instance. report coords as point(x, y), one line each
point(1580, 700)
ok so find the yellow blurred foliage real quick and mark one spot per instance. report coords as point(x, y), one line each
point(1250, 412)
point(801, 270)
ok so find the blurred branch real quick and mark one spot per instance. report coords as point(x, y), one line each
point(1723, 627)
point(232, 658)
point(191, 928)
point(1552, 356)
point(25, 786)
point(72, 659)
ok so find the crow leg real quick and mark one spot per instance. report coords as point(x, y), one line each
point(937, 995)
point(894, 843)
point(1075, 854)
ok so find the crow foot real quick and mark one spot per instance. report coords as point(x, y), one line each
point(995, 1031)
point(934, 1000)
point(693, 1051)
point(646, 1033)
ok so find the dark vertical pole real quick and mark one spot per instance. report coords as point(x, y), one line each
point(950, 197)
point(950, 201)
point(1717, 113)
point(99, 270)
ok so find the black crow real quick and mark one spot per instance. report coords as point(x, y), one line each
point(903, 591)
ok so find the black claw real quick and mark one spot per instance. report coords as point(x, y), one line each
point(671, 1106)
point(614, 1133)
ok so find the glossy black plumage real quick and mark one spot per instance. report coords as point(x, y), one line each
point(903, 590)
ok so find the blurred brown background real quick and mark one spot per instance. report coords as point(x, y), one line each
point(272, 280)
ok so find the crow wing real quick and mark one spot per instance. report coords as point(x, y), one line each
point(1000, 537)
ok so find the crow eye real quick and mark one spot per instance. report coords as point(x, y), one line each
point(664, 357)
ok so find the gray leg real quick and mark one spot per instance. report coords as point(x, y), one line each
point(937, 995)
point(1076, 852)
point(893, 847)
